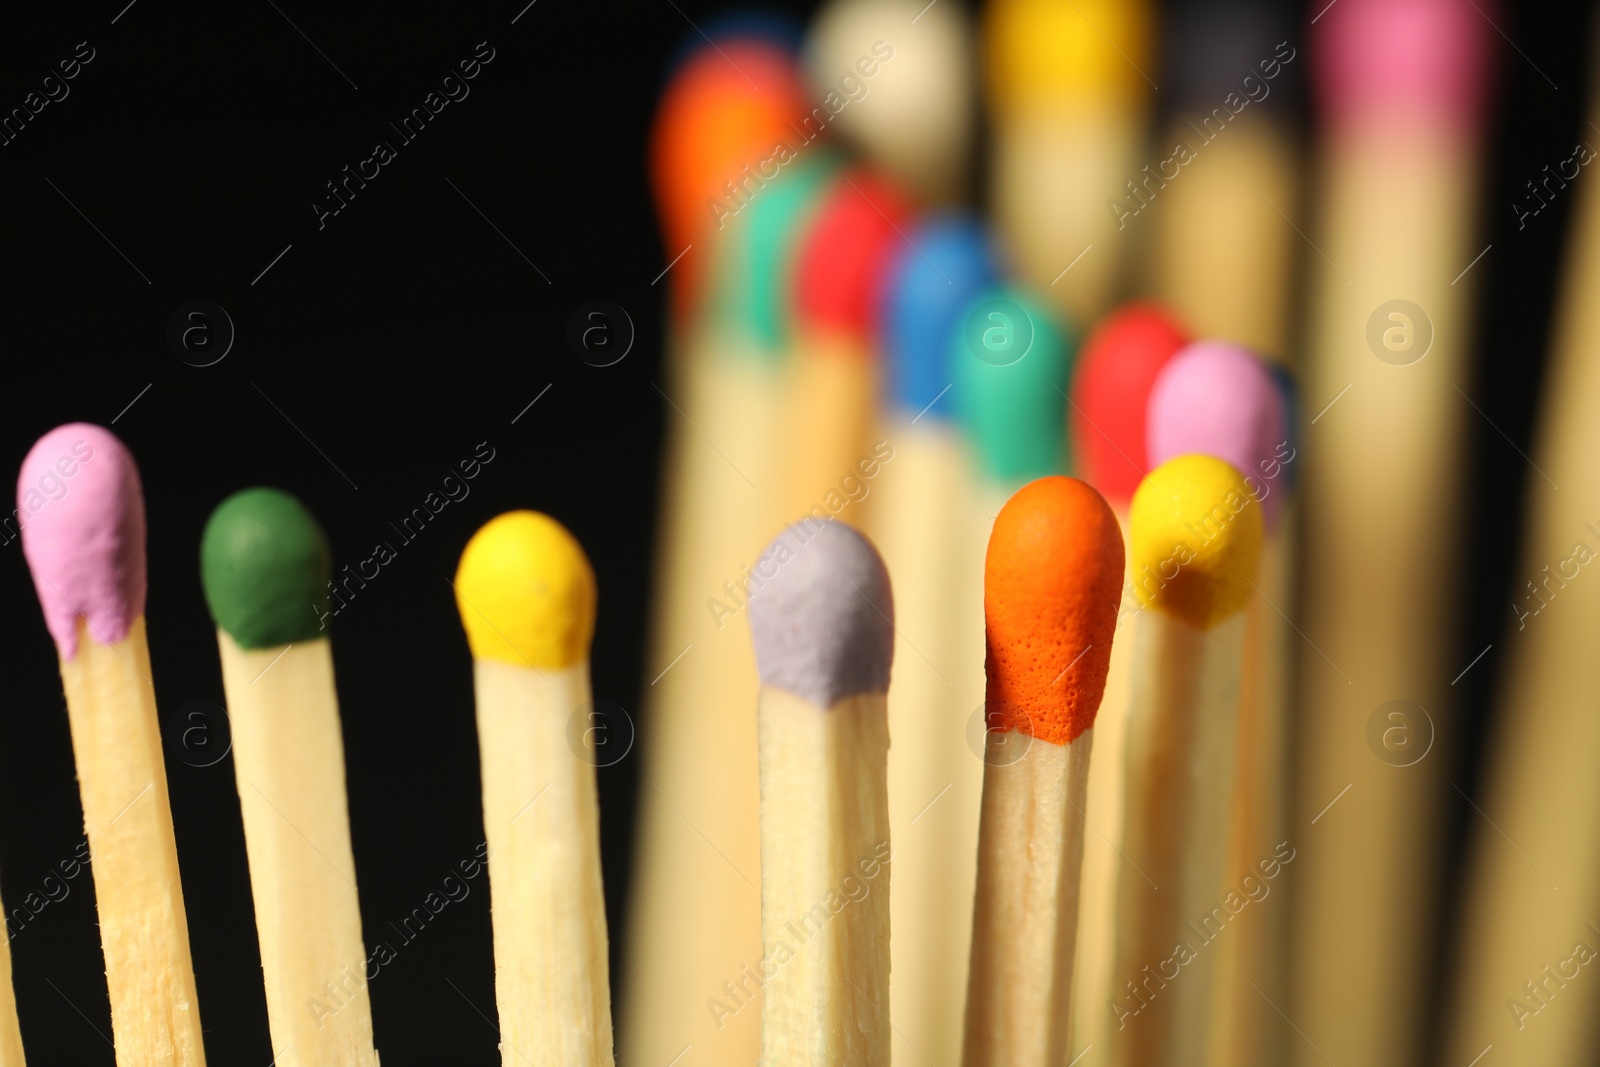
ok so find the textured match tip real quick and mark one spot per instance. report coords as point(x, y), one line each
point(1110, 394)
point(526, 592)
point(1218, 399)
point(1426, 57)
point(1044, 51)
point(80, 508)
point(948, 262)
point(264, 564)
point(1196, 534)
point(1010, 357)
point(844, 256)
point(726, 109)
point(1052, 581)
point(822, 615)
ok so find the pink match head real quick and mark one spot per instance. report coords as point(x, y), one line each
point(81, 511)
point(1431, 58)
point(1219, 399)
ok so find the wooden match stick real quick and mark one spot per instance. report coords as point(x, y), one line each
point(1226, 164)
point(923, 505)
point(83, 534)
point(823, 630)
point(1111, 384)
point(916, 64)
point(1196, 535)
point(527, 600)
point(1402, 88)
point(10, 1028)
point(1068, 97)
point(1516, 929)
point(264, 564)
point(1051, 581)
point(1220, 399)
point(840, 270)
point(693, 927)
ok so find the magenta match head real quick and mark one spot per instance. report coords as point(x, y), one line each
point(81, 511)
point(1219, 399)
point(1427, 58)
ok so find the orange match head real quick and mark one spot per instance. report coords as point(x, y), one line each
point(1052, 582)
point(726, 109)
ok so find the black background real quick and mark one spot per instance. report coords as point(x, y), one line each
point(397, 338)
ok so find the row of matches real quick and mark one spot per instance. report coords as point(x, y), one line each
point(823, 629)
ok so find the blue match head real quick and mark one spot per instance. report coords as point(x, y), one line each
point(949, 261)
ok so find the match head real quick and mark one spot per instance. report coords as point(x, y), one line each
point(1220, 399)
point(919, 78)
point(1010, 359)
point(1052, 582)
point(1210, 48)
point(1119, 366)
point(725, 109)
point(1196, 535)
point(822, 617)
point(1043, 52)
point(1430, 60)
point(845, 254)
point(80, 509)
point(949, 261)
point(264, 565)
point(754, 285)
point(526, 592)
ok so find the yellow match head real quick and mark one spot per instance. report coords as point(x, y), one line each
point(1039, 51)
point(1196, 531)
point(526, 592)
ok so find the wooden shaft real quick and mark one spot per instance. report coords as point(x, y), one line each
point(831, 391)
point(542, 822)
point(1181, 749)
point(10, 1028)
point(1102, 862)
point(1540, 789)
point(288, 754)
point(1248, 1032)
point(694, 909)
point(1379, 484)
point(1054, 172)
point(127, 817)
point(1224, 258)
point(1025, 913)
point(824, 881)
point(920, 510)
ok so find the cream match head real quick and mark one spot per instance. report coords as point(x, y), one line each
point(526, 592)
point(903, 73)
point(1196, 535)
point(80, 507)
point(1052, 579)
point(822, 616)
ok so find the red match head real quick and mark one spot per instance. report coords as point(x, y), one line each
point(845, 256)
point(1110, 392)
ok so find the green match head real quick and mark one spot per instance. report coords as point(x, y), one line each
point(1012, 362)
point(264, 563)
point(755, 272)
